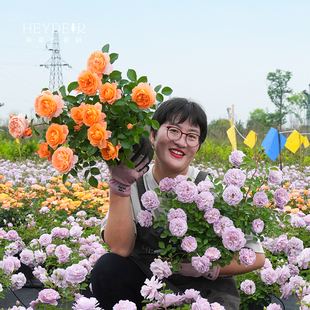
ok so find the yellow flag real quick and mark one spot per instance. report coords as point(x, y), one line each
point(294, 141)
point(17, 141)
point(306, 142)
point(250, 139)
point(231, 133)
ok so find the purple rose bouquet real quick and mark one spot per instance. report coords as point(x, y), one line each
point(208, 224)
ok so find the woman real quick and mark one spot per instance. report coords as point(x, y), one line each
point(119, 275)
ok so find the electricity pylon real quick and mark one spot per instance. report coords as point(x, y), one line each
point(55, 64)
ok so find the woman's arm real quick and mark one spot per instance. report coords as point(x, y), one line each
point(119, 232)
point(235, 269)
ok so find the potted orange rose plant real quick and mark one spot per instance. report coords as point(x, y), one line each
point(99, 116)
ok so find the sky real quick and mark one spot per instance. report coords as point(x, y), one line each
point(216, 52)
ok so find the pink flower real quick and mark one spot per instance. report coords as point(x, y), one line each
point(50, 249)
point(12, 235)
point(204, 201)
point(40, 273)
point(125, 305)
point(232, 195)
point(268, 276)
point(76, 273)
point(45, 239)
point(216, 306)
point(190, 295)
point(76, 231)
point(236, 158)
point(178, 227)
point(166, 184)
point(160, 269)
point(234, 177)
point(149, 290)
point(27, 257)
point(233, 239)
point(257, 226)
point(7, 265)
point(248, 287)
point(213, 254)
point(150, 200)
point(281, 197)
point(283, 274)
point(189, 244)
point(212, 215)
point(220, 225)
point(144, 218)
point(204, 186)
point(40, 256)
point(186, 191)
point(18, 281)
point(176, 213)
point(62, 252)
point(260, 199)
point(275, 176)
point(247, 257)
point(201, 303)
point(201, 264)
point(273, 306)
point(84, 303)
point(18, 125)
point(58, 277)
point(49, 296)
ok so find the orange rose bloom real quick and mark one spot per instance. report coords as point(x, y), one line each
point(18, 126)
point(109, 93)
point(44, 151)
point(99, 62)
point(76, 114)
point(129, 126)
point(89, 82)
point(28, 133)
point(110, 151)
point(56, 134)
point(144, 95)
point(48, 105)
point(97, 135)
point(92, 114)
point(63, 159)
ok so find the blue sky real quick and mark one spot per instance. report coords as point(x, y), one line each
point(215, 52)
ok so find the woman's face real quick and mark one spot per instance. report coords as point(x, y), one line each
point(173, 157)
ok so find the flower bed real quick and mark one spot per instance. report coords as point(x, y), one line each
point(54, 228)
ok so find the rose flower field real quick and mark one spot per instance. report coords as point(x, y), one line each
point(53, 229)
point(51, 207)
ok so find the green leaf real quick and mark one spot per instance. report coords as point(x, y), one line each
point(132, 75)
point(62, 90)
point(115, 75)
point(142, 79)
point(95, 171)
point(64, 178)
point(155, 124)
point(159, 97)
point(157, 88)
point(106, 48)
point(129, 163)
point(73, 172)
point(161, 245)
point(82, 134)
point(72, 86)
point(113, 57)
point(166, 91)
point(93, 181)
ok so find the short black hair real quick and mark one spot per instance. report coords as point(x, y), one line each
point(178, 110)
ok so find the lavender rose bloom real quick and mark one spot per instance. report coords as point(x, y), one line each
point(205, 186)
point(281, 197)
point(247, 257)
point(260, 199)
point(160, 269)
point(220, 225)
point(212, 215)
point(236, 158)
point(144, 218)
point(204, 201)
point(201, 264)
point(186, 191)
point(201, 303)
point(76, 273)
point(283, 274)
point(150, 200)
point(232, 195)
point(233, 239)
point(257, 226)
point(294, 247)
point(268, 276)
point(84, 303)
point(166, 184)
point(273, 306)
point(178, 227)
point(213, 253)
point(275, 176)
point(189, 244)
point(49, 296)
point(248, 287)
point(176, 213)
point(125, 304)
point(234, 177)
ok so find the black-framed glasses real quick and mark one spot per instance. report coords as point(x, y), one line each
point(175, 133)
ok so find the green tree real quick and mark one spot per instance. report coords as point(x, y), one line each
point(298, 106)
point(277, 92)
point(260, 121)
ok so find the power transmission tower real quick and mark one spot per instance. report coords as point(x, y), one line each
point(55, 64)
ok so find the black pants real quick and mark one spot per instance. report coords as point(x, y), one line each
point(116, 278)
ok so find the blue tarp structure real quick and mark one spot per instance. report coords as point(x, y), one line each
point(271, 143)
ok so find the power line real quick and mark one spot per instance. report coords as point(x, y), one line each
point(55, 64)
